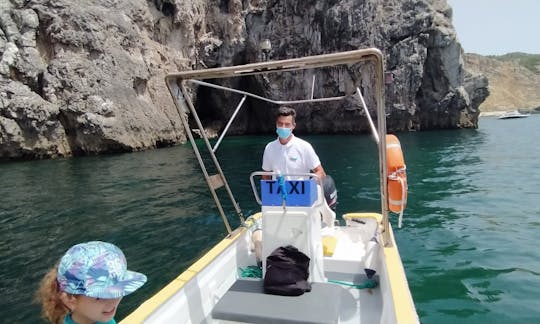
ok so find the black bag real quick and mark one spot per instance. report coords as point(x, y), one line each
point(287, 271)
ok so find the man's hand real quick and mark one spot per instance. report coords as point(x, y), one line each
point(320, 172)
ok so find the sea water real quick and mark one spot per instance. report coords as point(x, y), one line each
point(468, 241)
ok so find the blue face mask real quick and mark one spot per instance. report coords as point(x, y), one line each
point(283, 132)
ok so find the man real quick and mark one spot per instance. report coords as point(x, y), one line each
point(289, 154)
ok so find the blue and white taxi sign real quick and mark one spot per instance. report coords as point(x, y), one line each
point(297, 193)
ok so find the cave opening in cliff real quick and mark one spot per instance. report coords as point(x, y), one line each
point(300, 88)
point(216, 107)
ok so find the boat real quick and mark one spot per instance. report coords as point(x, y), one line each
point(513, 114)
point(355, 273)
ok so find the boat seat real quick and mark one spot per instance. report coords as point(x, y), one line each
point(246, 302)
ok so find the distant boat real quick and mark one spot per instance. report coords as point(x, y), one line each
point(513, 114)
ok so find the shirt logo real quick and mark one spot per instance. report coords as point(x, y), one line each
point(293, 158)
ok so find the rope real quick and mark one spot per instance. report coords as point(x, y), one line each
point(251, 272)
point(394, 176)
point(256, 272)
point(370, 283)
point(400, 219)
point(281, 185)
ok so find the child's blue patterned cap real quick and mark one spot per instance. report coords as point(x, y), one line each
point(97, 269)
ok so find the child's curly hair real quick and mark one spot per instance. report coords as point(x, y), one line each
point(48, 295)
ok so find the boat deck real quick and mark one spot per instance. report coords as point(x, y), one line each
point(336, 301)
point(245, 302)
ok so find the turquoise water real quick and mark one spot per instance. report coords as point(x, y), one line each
point(468, 241)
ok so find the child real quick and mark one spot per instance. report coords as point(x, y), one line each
point(86, 286)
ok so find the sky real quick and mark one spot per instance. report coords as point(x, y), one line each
point(497, 27)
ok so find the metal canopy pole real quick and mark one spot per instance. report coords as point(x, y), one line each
point(373, 129)
point(383, 169)
point(229, 124)
point(219, 179)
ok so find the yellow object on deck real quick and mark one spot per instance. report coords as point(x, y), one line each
point(329, 245)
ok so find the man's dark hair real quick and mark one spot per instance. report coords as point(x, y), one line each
point(286, 111)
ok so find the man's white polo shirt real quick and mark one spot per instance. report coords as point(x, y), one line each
point(297, 156)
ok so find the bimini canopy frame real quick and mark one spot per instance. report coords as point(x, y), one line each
point(177, 84)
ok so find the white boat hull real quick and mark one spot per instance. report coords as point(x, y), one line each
point(341, 257)
point(513, 114)
point(192, 296)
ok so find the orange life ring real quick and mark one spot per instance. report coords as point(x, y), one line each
point(397, 175)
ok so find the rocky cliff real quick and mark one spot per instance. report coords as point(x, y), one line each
point(86, 77)
point(514, 80)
